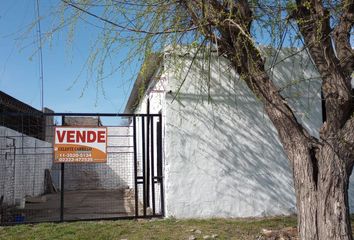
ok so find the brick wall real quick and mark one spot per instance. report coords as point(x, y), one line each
point(23, 160)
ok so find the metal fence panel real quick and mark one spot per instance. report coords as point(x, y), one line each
point(34, 189)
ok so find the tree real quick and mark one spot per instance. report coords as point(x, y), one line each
point(321, 167)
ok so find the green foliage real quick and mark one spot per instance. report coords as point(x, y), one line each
point(290, 6)
point(136, 29)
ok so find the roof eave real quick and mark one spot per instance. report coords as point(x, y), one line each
point(149, 67)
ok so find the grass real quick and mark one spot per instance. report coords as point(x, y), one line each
point(147, 229)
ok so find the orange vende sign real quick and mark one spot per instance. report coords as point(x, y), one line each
point(80, 145)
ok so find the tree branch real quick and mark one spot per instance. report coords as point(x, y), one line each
point(165, 31)
point(341, 37)
point(314, 23)
point(240, 49)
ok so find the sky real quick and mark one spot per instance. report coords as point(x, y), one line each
point(62, 64)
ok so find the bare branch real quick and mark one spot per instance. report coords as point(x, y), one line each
point(341, 37)
point(165, 31)
point(314, 22)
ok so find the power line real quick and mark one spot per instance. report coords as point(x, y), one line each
point(39, 39)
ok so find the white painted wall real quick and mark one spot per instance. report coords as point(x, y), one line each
point(223, 157)
point(22, 170)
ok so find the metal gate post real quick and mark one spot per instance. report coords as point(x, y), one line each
point(62, 193)
point(152, 167)
point(135, 168)
point(147, 162)
point(161, 179)
point(143, 163)
point(62, 167)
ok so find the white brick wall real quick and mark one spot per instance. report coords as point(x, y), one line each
point(22, 166)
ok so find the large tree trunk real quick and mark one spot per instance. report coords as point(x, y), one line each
point(321, 175)
point(322, 195)
point(323, 209)
point(321, 167)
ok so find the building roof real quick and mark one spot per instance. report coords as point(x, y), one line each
point(151, 64)
point(145, 76)
point(27, 119)
point(8, 103)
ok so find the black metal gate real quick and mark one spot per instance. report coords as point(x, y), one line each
point(35, 189)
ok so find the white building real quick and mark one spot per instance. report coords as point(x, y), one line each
point(222, 154)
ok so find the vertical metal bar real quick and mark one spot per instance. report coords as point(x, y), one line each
point(158, 152)
point(62, 167)
point(161, 183)
point(14, 146)
point(143, 162)
point(62, 193)
point(152, 167)
point(148, 162)
point(135, 168)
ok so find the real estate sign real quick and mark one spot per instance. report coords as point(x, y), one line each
point(80, 145)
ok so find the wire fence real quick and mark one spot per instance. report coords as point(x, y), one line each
point(35, 189)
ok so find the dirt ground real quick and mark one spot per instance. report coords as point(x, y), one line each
point(78, 205)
